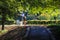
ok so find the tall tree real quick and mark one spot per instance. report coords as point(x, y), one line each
point(7, 7)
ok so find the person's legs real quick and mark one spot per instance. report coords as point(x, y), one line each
point(21, 23)
point(24, 21)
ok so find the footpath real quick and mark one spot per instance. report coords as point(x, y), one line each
point(14, 32)
point(13, 26)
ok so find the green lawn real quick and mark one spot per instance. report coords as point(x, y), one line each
point(2, 32)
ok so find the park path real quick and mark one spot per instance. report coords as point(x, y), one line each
point(14, 32)
point(13, 26)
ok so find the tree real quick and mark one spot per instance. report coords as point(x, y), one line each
point(10, 7)
point(7, 7)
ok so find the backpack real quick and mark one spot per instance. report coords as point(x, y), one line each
point(38, 33)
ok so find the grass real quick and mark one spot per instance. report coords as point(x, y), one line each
point(2, 32)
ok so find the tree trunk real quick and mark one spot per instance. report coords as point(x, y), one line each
point(3, 20)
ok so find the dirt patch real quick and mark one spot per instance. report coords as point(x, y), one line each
point(8, 27)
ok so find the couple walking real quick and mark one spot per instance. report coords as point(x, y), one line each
point(21, 19)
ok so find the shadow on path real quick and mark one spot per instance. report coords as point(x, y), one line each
point(12, 35)
point(17, 33)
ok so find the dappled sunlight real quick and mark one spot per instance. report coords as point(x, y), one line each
point(17, 16)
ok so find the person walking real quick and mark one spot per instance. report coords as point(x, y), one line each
point(24, 18)
point(19, 19)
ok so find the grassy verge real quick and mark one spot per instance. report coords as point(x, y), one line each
point(2, 32)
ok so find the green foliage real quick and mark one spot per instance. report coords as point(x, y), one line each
point(10, 7)
point(43, 22)
point(44, 16)
point(7, 22)
point(30, 17)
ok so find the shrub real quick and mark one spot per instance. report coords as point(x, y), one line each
point(43, 22)
point(44, 17)
point(7, 22)
point(30, 17)
point(55, 30)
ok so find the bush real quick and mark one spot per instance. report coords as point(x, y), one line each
point(44, 17)
point(7, 22)
point(43, 22)
point(30, 17)
point(55, 30)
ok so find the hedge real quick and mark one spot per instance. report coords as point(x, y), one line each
point(36, 22)
point(7, 22)
point(43, 22)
